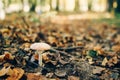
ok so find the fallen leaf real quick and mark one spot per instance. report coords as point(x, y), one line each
point(48, 57)
point(33, 76)
point(36, 56)
point(25, 45)
point(60, 73)
point(54, 79)
point(8, 56)
point(115, 60)
point(116, 48)
point(2, 57)
point(5, 30)
point(90, 60)
point(99, 50)
point(112, 61)
point(73, 78)
point(51, 39)
point(105, 76)
point(98, 70)
point(4, 71)
point(15, 74)
point(92, 53)
point(49, 75)
point(104, 62)
point(45, 57)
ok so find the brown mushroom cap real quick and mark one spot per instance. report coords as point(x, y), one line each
point(40, 46)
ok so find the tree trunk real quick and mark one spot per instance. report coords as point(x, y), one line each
point(76, 5)
point(110, 5)
point(33, 3)
point(118, 6)
point(57, 7)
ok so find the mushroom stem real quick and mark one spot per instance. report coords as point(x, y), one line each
point(40, 57)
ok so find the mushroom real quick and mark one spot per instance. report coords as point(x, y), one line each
point(40, 47)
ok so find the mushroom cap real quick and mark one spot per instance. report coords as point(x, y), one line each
point(40, 46)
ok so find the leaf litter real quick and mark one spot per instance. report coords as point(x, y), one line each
point(82, 50)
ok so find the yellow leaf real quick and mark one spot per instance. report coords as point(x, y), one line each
point(4, 71)
point(15, 74)
point(104, 62)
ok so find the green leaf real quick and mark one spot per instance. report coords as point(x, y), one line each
point(34, 19)
point(92, 53)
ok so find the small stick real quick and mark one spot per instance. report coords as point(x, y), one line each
point(70, 48)
point(61, 52)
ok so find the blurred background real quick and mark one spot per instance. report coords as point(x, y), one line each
point(106, 8)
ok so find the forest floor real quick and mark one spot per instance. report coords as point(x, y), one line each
point(84, 49)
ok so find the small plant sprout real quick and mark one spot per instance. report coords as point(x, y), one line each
point(40, 47)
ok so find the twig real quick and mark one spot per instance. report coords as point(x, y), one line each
point(70, 48)
point(61, 52)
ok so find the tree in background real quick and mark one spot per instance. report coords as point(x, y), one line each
point(110, 5)
point(33, 4)
point(118, 6)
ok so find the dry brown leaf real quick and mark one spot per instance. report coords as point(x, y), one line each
point(90, 60)
point(2, 57)
point(112, 61)
point(105, 76)
point(10, 72)
point(7, 42)
point(15, 74)
point(53, 79)
point(34, 76)
point(104, 62)
point(98, 70)
point(73, 78)
point(45, 57)
point(99, 50)
point(31, 37)
point(117, 39)
point(6, 64)
point(48, 57)
point(49, 75)
point(36, 56)
point(115, 60)
point(4, 71)
point(51, 39)
point(79, 43)
point(6, 56)
point(116, 48)
point(5, 30)
point(26, 45)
